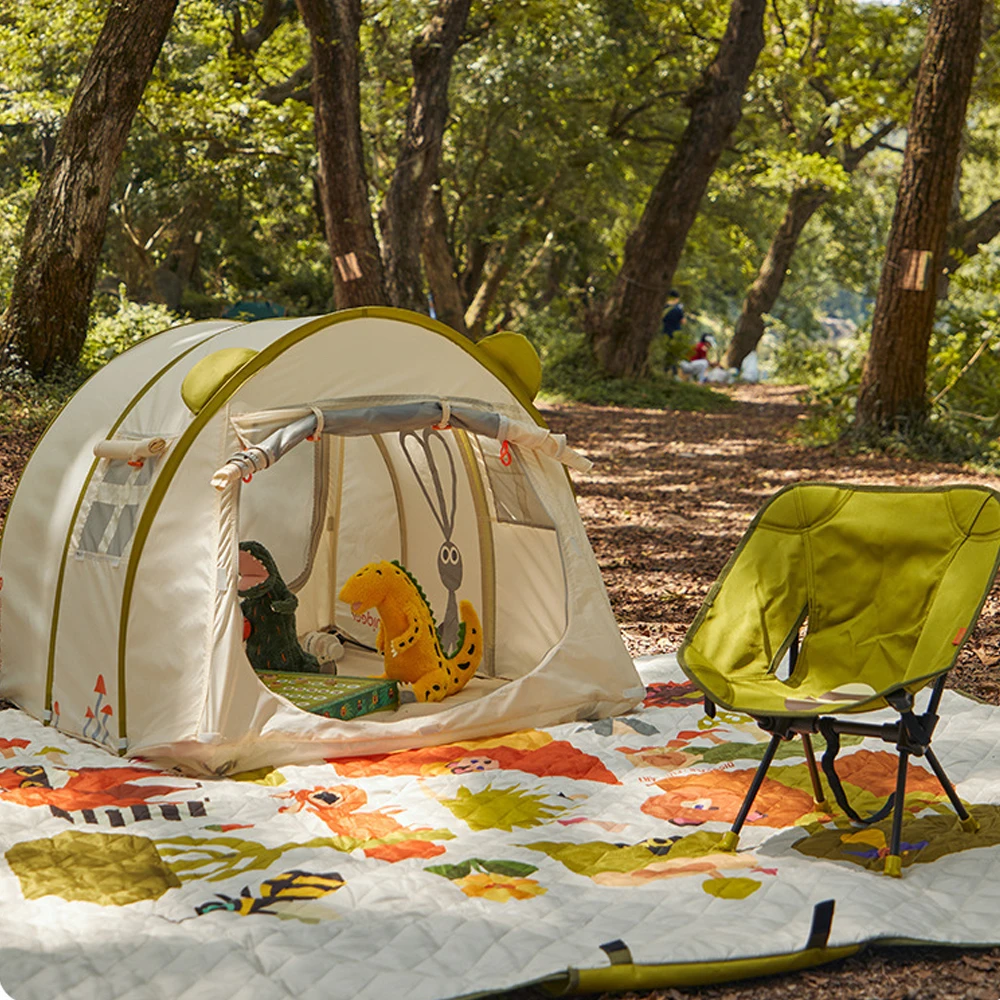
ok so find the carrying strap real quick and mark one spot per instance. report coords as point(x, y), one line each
point(832, 737)
point(822, 922)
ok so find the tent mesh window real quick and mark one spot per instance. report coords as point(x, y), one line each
point(113, 505)
point(513, 495)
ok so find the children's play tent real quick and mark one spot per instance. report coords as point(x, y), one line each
point(369, 434)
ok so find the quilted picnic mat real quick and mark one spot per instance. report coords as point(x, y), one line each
point(478, 866)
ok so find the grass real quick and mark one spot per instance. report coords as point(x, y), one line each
point(572, 375)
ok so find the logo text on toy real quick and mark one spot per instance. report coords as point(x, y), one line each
point(366, 618)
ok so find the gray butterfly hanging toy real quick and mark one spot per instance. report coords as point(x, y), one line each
point(449, 559)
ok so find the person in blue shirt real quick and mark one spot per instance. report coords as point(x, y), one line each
point(673, 318)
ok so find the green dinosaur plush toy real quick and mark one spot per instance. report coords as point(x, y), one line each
point(268, 608)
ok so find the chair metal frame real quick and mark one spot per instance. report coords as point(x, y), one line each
point(911, 735)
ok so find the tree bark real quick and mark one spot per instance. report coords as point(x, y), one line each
point(804, 202)
point(333, 27)
point(892, 394)
point(486, 293)
point(469, 278)
point(802, 206)
point(402, 215)
point(622, 328)
point(440, 264)
point(764, 292)
point(46, 318)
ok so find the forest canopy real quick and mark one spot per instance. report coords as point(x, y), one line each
point(560, 122)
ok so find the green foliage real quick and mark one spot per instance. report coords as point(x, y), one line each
point(963, 414)
point(562, 117)
point(217, 179)
point(119, 330)
point(570, 372)
point(32, 404)
point(804, 355)
point(964, 386)
point(213, 198)
point(14, 206)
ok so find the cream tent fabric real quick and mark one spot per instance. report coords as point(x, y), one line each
point(120, 621)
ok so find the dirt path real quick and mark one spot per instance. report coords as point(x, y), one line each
point(666, 504)
point(671, 494)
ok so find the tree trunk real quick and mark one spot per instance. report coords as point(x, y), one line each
point(486, 293)
point(46, 318)
point(623, 327)
point(802, 206)
point(440, 265)
point(402, 215)
point(333, 27)
point(470, 277)
point(502, 260)
point(892, 394)
point(767, 285)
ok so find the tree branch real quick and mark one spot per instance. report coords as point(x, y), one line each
point(855, 154)
point(971, 234)
point(246, 43)
point(298, 87)
point(692, 30)
point(781, 24)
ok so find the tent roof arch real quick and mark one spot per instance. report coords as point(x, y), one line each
point(154, 590)
point(228, 388)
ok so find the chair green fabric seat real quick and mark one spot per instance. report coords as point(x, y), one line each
point(888, 583)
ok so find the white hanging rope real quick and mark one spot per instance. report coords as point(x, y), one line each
point(320, 423)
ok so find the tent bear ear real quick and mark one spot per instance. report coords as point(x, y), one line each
point(208, 375)
point(515, 354)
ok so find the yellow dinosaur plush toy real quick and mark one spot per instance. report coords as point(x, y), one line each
point(407, 635)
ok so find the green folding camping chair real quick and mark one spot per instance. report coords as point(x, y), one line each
point(884, 585)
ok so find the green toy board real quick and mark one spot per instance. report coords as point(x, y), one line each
point(333, 696)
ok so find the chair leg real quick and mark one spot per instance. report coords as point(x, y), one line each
point(968, 822)
point(894, 859)
point(818, 797)
point(731, 838)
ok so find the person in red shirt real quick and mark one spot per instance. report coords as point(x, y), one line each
point(700, 351)
point(698, 363)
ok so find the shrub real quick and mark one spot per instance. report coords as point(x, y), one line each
point(571, 373)
point(31, 405)
point(963, 387)
point(111, 334)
